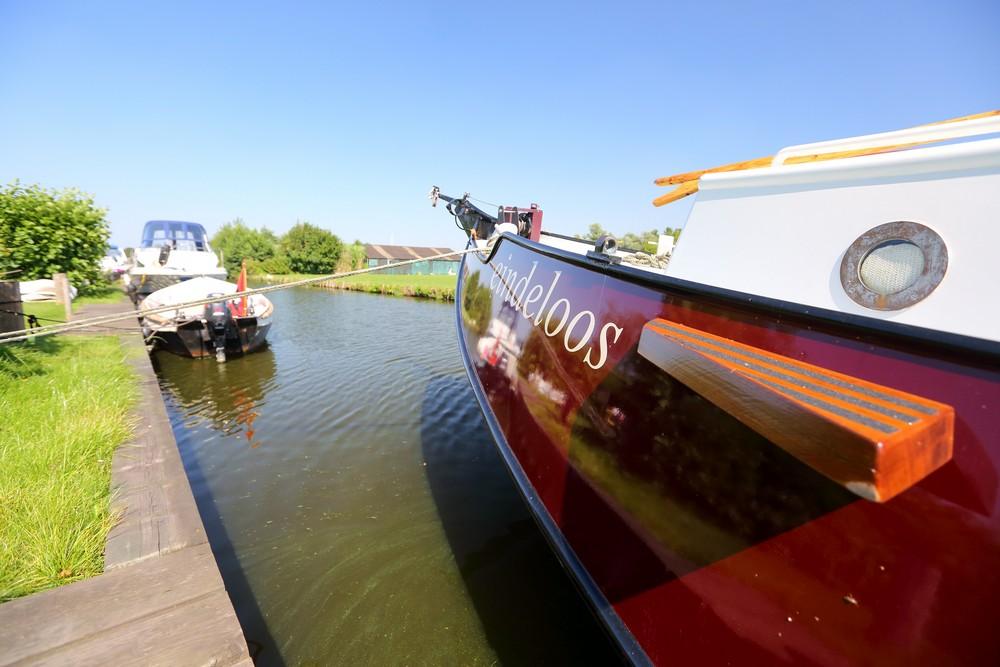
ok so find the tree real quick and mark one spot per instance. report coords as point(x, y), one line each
point(644, 241)
point(594, 232)
point(237, 242)
point(43, 232)
point(476, 304)
point(310, 249)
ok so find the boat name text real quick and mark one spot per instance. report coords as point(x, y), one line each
point(557, 318)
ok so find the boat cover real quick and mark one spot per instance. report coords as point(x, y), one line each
point(195, 289)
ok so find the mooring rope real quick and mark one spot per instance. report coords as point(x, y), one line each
point(50, 329)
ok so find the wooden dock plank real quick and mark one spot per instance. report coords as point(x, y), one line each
point(194, 633)
point(142, 611)
point(159, 514)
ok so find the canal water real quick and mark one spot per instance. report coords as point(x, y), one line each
point(355, 501)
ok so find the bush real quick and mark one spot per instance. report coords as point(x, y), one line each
point(237, 242)
point(310, 249)
point(352, 257)
point(276, 265)
point(43, 232)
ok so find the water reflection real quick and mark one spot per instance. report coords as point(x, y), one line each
point(246, 415)
point(673, 481)
point(503, 558)
point(229, 397)
point(354, 500)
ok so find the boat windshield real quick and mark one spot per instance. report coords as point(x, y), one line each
point(178, 235)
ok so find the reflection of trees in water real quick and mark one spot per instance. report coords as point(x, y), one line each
point(476, 302)
point(556, 377)
point(528, 606)
point(229, 397)
point(669, 442)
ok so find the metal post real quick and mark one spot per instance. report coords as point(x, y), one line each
point(62, 293)
point(11, 318)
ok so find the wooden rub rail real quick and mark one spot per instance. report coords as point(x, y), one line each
point(874, 440)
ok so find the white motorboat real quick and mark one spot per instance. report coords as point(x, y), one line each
point(171, 252)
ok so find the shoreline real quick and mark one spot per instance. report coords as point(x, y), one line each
point(436, 288)
point(162, 596)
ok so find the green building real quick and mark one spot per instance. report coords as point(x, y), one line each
point(381, 255)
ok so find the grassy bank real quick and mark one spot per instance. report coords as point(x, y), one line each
point(441, 288)
point(65, 404)
point(49, 312)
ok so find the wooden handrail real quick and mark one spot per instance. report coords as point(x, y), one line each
point(755, 163)
point(681, 191)
point(686, 179)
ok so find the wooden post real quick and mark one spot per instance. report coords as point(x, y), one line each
point(62, 293)
point(10, 300)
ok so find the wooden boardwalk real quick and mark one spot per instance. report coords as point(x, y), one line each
point(161, 600)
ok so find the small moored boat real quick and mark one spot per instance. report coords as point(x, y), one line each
point(224, 328)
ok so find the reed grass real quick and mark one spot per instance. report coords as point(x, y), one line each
point(441, 288)
point(65, 405)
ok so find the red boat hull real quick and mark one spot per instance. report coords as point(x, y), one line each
point(696, 539)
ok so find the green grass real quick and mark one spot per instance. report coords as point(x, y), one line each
point(47, 311)
point(66, 406)
point(428, 287)
point(100, 294)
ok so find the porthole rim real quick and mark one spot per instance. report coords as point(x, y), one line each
point(923, 237)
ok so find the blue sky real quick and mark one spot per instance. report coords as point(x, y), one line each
point(344, 114)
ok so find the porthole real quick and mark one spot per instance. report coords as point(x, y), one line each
point(894, 265)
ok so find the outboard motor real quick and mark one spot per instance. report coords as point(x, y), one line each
point(133, 293)
point(218, 319)
point(164, 254)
